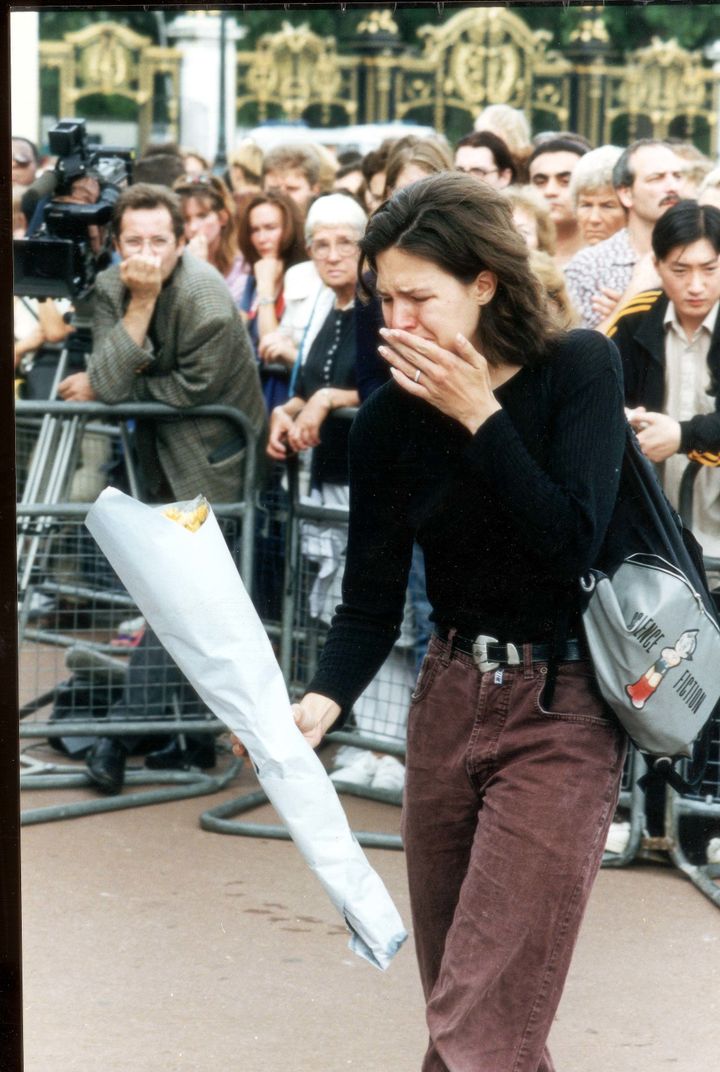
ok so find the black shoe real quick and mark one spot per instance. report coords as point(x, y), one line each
point(106, 765)
point(174, 757)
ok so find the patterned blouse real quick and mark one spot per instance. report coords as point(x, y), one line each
point(607, 264)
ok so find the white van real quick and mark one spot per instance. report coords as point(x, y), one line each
point(363, 137)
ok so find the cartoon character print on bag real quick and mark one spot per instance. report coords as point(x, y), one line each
point(646, 685)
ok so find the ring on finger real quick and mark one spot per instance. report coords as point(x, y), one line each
point(417, 376)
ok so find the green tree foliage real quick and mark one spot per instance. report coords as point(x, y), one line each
point(55, 24)
point(632, 26)
point(629, 25)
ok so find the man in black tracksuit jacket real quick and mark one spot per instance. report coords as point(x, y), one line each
point(639, 334)
point(669, 339)
point(670, 354)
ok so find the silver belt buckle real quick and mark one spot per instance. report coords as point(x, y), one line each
point(480, 645)
point(480, 654)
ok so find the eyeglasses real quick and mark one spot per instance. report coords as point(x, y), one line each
point(187, 182)
point(344, 247)
point(204, 179)
point(134, 244)
point(478, 172)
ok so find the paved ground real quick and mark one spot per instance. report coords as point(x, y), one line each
point(154, 946)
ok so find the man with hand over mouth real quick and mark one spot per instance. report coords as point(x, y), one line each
point(165, 329)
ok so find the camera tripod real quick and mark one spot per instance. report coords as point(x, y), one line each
point(53, 465)
point(52, 460)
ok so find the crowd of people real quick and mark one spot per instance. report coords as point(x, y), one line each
point(301, 282)
point(242, 288)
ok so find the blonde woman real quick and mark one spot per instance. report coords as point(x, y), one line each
point(552, 279)
point(531, 217)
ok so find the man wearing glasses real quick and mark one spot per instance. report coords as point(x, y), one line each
point(165, 329)
point(486, 157)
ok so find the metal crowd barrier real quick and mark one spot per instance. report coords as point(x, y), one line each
point(80, 632)
point(62, 413)
point(299, 630)
point(72, 607)
point(73, 610)
point(632, 804)
point(692, 820)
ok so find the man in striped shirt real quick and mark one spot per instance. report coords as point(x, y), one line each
point(648, 178)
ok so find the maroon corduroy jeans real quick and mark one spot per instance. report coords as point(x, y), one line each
point(506, 812)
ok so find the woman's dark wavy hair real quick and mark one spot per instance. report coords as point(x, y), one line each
point(465, 227)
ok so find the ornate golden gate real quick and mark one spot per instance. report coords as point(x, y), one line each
point(482, 56)
point(109, 59)
point(662, 90)
point(479, 56)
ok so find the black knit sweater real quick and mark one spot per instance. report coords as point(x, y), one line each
point(507, 518)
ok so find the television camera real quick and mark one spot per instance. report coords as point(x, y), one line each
point(60, 259)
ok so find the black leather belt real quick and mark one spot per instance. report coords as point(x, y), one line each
point(488, 652)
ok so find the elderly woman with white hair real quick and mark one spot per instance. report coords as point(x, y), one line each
point(596, 204)
point(325, 376)
point(317, 296)
point(325, 380)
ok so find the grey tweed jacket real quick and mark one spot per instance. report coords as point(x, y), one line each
point(197, 353)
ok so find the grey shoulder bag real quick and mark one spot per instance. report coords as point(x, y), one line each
point(652, 627)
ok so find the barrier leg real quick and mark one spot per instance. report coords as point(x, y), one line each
point(705, 877)
point(182, 784)
point(703, 806)
point(632, 798)
point(220, 820)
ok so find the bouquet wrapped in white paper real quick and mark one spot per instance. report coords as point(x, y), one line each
point(188, 588)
